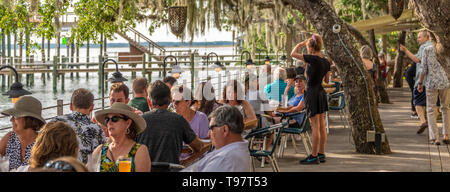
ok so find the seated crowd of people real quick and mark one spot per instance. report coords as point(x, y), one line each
point(160, 122)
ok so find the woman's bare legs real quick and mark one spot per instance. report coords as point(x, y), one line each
point(315, 127)
point(323, 134)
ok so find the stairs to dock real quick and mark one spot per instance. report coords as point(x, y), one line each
point(137, 48)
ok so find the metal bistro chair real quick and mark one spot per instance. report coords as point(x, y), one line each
point(340, 97)
point(166, 167)
point(337, 85)
point(302, 131)
point(263, 141)
point(257, 134)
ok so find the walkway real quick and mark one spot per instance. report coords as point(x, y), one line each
point(411, 152)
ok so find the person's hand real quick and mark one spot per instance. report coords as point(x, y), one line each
point(403, 48)
point(290, 82)
point(420, 88)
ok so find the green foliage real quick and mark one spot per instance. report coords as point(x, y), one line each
point(105, 17)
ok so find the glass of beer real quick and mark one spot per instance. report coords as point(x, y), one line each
point(124, 164)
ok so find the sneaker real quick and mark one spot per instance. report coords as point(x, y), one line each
point(310, 160)
point(321, 157)
point(414, 116)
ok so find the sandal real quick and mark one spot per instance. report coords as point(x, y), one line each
point(437, 143)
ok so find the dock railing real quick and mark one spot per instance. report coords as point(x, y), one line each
point(192, 65)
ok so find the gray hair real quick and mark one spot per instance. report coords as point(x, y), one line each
point(366, 52)
point(279, 73)
point(228, 115)
point(425, 33)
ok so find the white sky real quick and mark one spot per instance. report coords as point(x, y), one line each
point(163, 34)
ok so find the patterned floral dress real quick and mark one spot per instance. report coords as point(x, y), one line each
point(13, 152)
point(107, 165)
point(89, 134)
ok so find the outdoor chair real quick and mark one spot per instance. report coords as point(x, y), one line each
point(263, 141)
point(258, 152)
point(340, 98)
point(301, 129)
point(166, 167)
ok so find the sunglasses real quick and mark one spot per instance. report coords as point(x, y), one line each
point(115, 119)
point(212, 126)
point(60, 166)
point(176, 102)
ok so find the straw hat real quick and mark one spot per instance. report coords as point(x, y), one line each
point(26, 106)
point(124, 109)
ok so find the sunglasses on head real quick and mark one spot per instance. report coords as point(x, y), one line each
point(60, 166)
point(114, 119)
point(212, 126)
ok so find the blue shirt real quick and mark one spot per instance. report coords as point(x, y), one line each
point(294, 101)
point(275, 90)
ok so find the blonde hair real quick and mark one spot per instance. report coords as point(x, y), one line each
point(315, 42)
point(56, 139)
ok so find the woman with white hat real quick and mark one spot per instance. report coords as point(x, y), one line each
point(123, 125)
point(26, 121)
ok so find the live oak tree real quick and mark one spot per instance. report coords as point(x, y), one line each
point(435, 17)
point(322, 17)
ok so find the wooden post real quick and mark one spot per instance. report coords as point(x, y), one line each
point(60, 108)
point(48, 55)
point(43, 58)
point(143, 65)
point(55, 73)
point(64, 62)
point(100, 74)
point(192, 71)
point(398, 72)
point(133, 73)
point(32, 75)
point(78, 58)
point(149, 74)
point(3, 55)
point(72, 54)
point(87, 58)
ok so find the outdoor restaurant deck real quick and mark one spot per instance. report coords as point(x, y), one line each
point(410, 151)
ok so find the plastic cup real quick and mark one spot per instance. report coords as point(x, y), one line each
point(124, 164)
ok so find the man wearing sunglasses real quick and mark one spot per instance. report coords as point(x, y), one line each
point(231, 153)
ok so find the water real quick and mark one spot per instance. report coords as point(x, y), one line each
point(44, 91)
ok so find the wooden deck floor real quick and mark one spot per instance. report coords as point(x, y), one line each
point(410, 151)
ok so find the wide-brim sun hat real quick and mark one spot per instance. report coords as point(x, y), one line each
point(123, 109)
point(26, 106)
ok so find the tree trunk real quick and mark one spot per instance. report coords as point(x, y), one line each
point(379, 80)
point(398, 72)
point(434, 16)
point(322, 17)
point(289, 40)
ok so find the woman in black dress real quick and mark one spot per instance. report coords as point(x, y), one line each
point(317, 67)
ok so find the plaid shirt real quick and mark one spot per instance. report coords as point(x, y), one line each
point(89, 134)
